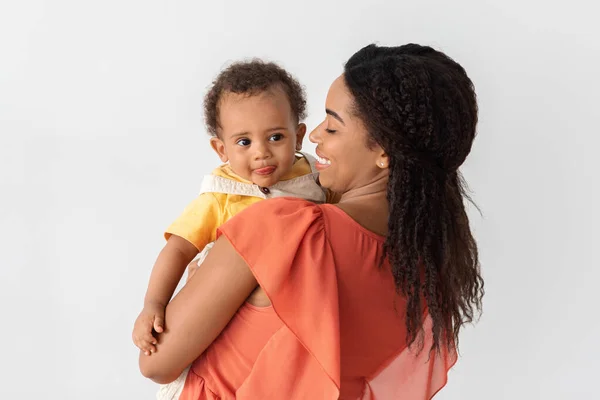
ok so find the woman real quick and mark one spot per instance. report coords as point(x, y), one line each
point(363, 299)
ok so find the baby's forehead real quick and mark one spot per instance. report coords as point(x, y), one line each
point(274, 93)
point(255, 113)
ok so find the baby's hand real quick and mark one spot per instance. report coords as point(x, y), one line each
point(151, 317)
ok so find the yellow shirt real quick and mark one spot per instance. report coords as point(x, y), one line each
point(200, 220)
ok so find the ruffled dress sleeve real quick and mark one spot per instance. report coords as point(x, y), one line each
point(284, 243)
point(416, 373)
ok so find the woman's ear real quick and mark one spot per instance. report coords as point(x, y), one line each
point(219, 148)
point(383, 161)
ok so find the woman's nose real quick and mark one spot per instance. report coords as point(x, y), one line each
point(315, 135)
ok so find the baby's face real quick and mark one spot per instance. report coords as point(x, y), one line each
point(259, 136)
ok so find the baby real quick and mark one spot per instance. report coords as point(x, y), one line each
point(253, 112)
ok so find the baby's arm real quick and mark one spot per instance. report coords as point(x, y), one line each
point(194, 228)
point(166, 274)
point(168, 270)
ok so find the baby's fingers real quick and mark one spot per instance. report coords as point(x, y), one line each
point(146, 344)
point(147, 347)
point(159, 323)
point(145, 335)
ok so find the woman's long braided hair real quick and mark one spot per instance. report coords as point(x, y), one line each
point(420, 106)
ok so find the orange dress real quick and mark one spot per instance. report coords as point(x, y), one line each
point(335, 328)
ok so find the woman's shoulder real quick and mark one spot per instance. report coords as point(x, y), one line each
point(283, 209)
point(289, 222)
point(274, 224)
point(287, 211)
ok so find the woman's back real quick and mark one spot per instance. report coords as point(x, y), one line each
point(336, 320)
point(371, 313)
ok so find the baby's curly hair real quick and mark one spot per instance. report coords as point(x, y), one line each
point(251, 78)
point(420, 106)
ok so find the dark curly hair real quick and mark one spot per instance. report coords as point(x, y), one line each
point(420, 106)
point(252, 78)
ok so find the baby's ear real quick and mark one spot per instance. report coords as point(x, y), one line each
point(300, 132)
point(219, 148)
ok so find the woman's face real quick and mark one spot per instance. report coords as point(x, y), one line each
point(345, 162)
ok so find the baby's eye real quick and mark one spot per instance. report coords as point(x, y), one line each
point(243, 142)
point(276, 137)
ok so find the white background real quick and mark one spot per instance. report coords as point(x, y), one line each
point(102, 143)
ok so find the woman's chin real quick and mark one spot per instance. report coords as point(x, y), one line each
point(327, 182)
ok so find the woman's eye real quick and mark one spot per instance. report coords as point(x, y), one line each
point(276, 137)
point(329, 130)
point(243, 142)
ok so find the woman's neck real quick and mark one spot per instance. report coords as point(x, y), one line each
point(377, 189)
point(368, 205)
